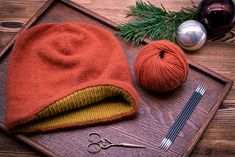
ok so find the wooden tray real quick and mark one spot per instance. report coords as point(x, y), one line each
point(157, 111)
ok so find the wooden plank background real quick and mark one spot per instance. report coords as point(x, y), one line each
point(219, 137)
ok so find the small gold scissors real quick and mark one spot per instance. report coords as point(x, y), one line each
point(97, 143)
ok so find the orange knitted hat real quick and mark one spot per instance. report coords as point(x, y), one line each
point(67, 74)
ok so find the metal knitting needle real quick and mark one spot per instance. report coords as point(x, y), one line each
point(176, 132)
point(165, 140)
point(182, 118)
point(193, 106)
point(169, 138)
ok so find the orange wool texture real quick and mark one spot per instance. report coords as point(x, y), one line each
point(50, 61)
point(161, 66)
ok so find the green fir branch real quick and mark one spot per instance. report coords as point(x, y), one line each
point(153, 22)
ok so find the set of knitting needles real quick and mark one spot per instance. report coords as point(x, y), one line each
point(183, 117)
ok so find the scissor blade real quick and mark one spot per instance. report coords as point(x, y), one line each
point(130, 145)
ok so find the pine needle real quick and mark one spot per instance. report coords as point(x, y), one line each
point(153, 22)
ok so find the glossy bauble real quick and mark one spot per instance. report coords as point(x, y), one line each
point(191, 35)
point(216, 15)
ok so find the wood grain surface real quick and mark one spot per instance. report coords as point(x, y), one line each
point(219, 138)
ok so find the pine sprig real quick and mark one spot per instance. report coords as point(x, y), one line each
point(154, 22)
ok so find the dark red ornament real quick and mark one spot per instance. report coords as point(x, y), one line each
point(217, 16)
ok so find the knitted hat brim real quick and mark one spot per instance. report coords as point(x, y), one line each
point(89, 105)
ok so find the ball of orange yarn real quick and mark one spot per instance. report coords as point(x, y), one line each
point(161, 66)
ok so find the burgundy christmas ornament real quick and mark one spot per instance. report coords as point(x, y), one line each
point(217, 15)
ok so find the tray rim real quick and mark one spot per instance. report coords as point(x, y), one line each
point(206, 71)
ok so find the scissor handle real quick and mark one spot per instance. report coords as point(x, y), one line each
point(94, 137)
point(105, 143)
point(93, 147)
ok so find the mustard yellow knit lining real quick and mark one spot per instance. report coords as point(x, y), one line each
point(84, 106)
